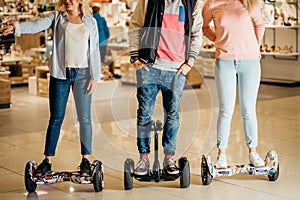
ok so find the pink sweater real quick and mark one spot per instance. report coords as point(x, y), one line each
point(237, 33)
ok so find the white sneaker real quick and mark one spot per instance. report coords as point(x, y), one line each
point(256, 160)
point(221, 162)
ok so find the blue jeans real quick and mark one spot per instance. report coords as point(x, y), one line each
point(59, 90)
point(246, 75)
point(148, 85)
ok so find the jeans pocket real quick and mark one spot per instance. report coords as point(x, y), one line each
point(183, 75)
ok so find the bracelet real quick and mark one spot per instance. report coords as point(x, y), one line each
point(188, 64)
point(133, 59)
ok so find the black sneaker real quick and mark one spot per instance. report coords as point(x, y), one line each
point(170, 166)
point(43, 168)
point(85, 168)
point(142, 167)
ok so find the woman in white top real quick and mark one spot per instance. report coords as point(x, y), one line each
point(75, 62)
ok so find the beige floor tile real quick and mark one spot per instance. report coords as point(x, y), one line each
point(11, 182)
point(4, 171)
point(17, 164)
point(24, 139)
point(10, 152)
point(285, 187)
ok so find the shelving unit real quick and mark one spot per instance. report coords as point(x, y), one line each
point(284, 55)
point(5, 93)
point(282, 33)
point(295, 27)
point(42, 80)
point(277, 35)
point(19, 71)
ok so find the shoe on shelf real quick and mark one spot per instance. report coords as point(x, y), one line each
point(170, 166)
point(142, 167)
point(256, 160)
point(85, 168)
point(43, 168)
point(221, 162)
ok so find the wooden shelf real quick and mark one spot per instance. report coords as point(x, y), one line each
point(280, 82)
point(283, 27)
point(5, 93)
point(42, 80)
point(280, 54)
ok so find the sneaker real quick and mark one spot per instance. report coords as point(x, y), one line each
point(43, 168)
point(170, 166)
point(142, 167)
point(85, 168)
point(221, 162)
point(256, 160)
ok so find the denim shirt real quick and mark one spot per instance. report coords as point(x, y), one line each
point(58, 21)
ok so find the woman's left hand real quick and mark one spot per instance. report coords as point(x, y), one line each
point(92, 86)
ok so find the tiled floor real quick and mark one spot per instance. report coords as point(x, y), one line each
point(22, 133)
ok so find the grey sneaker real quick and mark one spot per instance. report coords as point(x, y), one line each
point(142, 167)
point(221, 162)
point(256, 160)
point(170, 166)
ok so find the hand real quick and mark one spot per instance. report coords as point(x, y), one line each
point(9, 29)
point(138, 65)
point(184, 69)
point(92, 86)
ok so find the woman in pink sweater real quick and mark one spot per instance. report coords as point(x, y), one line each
point(237, 34)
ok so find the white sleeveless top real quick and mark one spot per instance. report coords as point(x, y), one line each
point(76, 45)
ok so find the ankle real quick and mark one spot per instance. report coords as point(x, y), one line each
point(252, 150)
point(222, 156)
point(85, 156)
point(168, 156)
point(144, 156)
point(221, 151)
point(48, 158)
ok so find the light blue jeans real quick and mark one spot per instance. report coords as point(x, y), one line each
point(148, 85)
point(245, 74)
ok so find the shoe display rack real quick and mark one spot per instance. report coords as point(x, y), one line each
point(280, 49)
point(286, 24)
point(280, 45)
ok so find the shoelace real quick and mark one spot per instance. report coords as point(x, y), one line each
point(171, 163)
point(142, 164)
point(221, 158)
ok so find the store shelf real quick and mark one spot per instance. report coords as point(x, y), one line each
point(280, 54)
point(42, 80)
point(294, 26)
point(4, 75)
point(282, 27)
point(5, 93)
point(280, 82)
point(292, 2)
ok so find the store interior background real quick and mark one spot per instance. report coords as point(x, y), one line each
point(24, 111)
